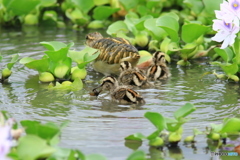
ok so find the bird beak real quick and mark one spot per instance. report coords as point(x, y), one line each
point(95, 92)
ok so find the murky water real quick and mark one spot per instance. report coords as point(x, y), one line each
point(99, 126)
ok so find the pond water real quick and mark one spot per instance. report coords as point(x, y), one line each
point(99, 126)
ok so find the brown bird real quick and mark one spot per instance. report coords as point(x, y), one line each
point(113, 51)
point(159, 68)
point(120, 94)
point(133, 76)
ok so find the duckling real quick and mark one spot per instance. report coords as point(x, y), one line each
point(159, 69)
point(120, 94)
point(113, 51)
point(132, 76)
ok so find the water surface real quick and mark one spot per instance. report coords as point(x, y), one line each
point(98, 125)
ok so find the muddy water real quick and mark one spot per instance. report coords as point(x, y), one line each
point(98, 125)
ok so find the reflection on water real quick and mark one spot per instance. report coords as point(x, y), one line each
point(96, 124)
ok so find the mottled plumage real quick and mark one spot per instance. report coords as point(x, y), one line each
point(112, 52)
point(120, 94)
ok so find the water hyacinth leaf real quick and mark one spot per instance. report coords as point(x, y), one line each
point(172, 125)
point(129, 4)
point(135, 137)
point(55, 45)
point(96, 24)
point(185, 110)
point(84, 5)
point(57, 56)
point(156, 119)
point(216, 127)
point(31, 147)
point(101, 2)
point(103, 12)
point(13, 61)
point(153, 135)
point(195, 5)
point(40, 65)
point(130, 20)
point(229, 69)
point(137, 155)
point(60, 153)
point(192, 31)
point(225, 53)
point(45, 131)
point(170, 25)
point(47, 3)
point(231, 125)
point(233, 77)
point(118, 26)
point(236, 46)
point(156, 32)
point(94, 157)
point(19, 7)
point(140, 24)
point(211, 6)
point(25, 60)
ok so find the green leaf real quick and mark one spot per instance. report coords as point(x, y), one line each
point(103, 12)
point(19, 7)
point(77, 84)
point(137, 155)
point(60, 153)
point(170, 25)
point(140, 23)
point(229, 69)
point(156, 119)
point(26, 60)
point(101, 2)
point(226, 53)
point(234, 77)
point(55, 45)
point(57, 56)
point(173, 125)
point(129, 4)
point(13, 61)
point(153, 135)
point(156, 32)
point(216, 127)
point(197, 30)
point(39, 65)
point(231, 125)
point(95, 157)
point(118, 26)
point(45, 131)
point(211, 6)
point(185, 110)
point(195, 5)
point(135, 137)
point(84, 5)
point(31, 147)
point(47, 3)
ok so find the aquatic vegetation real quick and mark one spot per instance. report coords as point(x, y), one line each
point(169, 131)
point(56, 64)
point(6, 72)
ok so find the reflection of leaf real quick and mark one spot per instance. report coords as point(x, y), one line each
point(156, 119)
point(137, 155)
point(94, 157)
point(31, 147)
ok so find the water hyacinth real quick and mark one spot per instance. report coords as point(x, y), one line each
point(227, 22)
point(5, 137)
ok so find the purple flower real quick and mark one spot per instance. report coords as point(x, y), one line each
point(5, 138)
point(226, 32)
point(229, 12)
